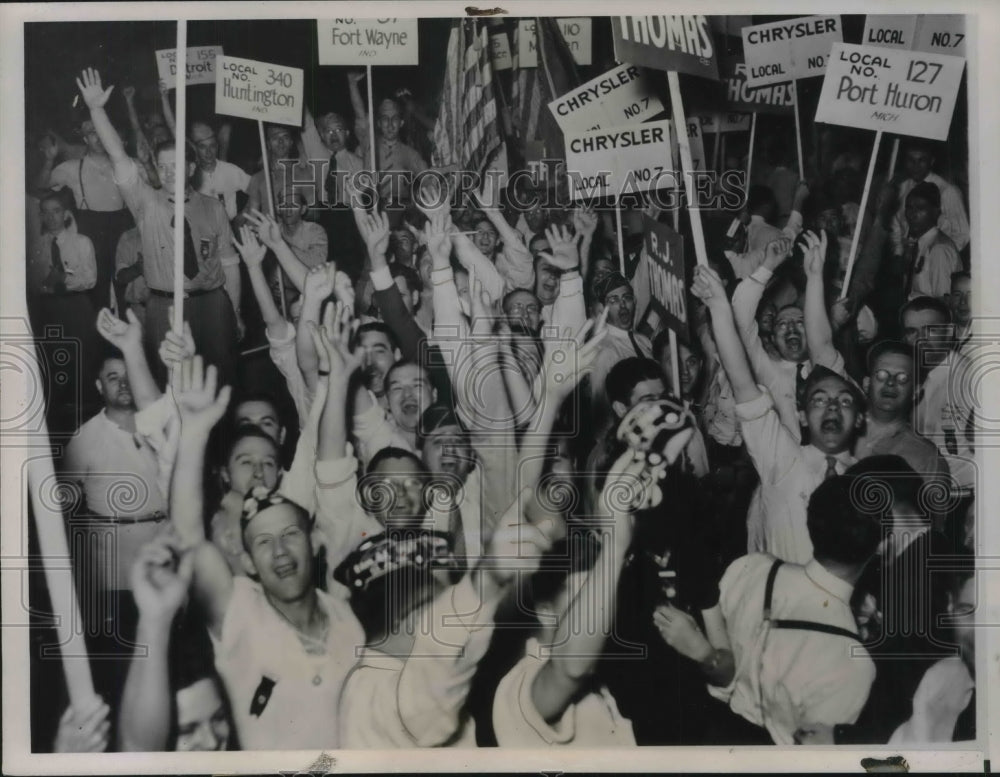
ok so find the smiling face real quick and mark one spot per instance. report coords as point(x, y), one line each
point(165, 168)
point(832, 415)
point(960, 301)
point(446, 450)
point(410, 394)
point(206, 146)
point(397, 488)
point(202, 722)
point(547, 279)
point(790, 334)
point(890, 385)
point(113, 386)
point(486, 238)
point(523, 306)
point(378, 349)
point(280, 551)
point(252, 462)
point(690, 368)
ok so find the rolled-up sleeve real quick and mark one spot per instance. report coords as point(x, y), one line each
point(771, 446)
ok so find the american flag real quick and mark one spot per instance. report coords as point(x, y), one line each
point(467, 132)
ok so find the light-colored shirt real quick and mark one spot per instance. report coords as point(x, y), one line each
point(153, 210)
point(258, 644)
point(940, 259)
point(99, 191)
point(789, 473)
point(777, 375)
point(618, 344)
point(953, 221)
point(787, 677)
point(389, 702)
point(223, 182)
point(76, 252)
point(591, 721)
point(945, 415)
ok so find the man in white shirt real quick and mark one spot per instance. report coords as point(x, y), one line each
point(615, 294)
point(216, 177)
point(930, 256)
point(952, 220)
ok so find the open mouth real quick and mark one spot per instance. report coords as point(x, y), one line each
point(410, 407)
point(832, 425)
point(793, 343)
point(284, 571)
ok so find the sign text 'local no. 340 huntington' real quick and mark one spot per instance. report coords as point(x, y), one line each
point(259, 90)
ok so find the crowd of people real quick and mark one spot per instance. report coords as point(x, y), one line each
point(474, 509)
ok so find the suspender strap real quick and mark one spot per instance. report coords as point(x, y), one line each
point(795, 624)
point(635, 346)
point(83, 194)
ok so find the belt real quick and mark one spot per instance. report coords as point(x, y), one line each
point(115, 519)
point(187, 294)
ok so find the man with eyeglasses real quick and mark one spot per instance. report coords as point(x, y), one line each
point(889, 386)
point(218, 178)
point(831, 415)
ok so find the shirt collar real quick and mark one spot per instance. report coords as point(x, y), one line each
point(844, 458)
point(925, 240)
point(821, 577)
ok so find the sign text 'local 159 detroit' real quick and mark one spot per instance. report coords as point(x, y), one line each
point(368, 42)
point(609, 162)
point(903, 92)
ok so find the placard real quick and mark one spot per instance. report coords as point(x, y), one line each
point(368, 42)
point(500, 51)
point(664, 255)
point(902, 92)
point(200, 65)
point(576, 31)
point(725, 122)
point(941, 34)
point(784, 51)
point(259, 90)
point(695, 140)
point(620, 96)
point(680, 43)
point(740, 96)
point(607, 162)
point(890, 31)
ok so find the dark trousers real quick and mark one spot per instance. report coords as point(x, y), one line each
point(725, 727)
point(103, 228)
point(213, 326)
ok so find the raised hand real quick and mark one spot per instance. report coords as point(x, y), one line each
point(777, 251)
point(343, 289)
point(128, 93)
point(85, 731)
point(319, 283)
point(94, 94)
point(515, 546)
point(333, 342)
point(707, 286)
point(481, 304)
point(250, 247)
point(268, 229)
point(567, 361)
point(355, 77)
point(584, 222)
point(815, 254)
point(123, 336)
point(375, 232)
point(432, 196)
point(565, 247)
point(159, 581)
point(437, 236)
point(194, 390)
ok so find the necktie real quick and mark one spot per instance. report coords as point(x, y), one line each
point(635, 346)
point(190, 255)
point(800, 384)
point(332, 193)
point(57, 262)
point(831, 468)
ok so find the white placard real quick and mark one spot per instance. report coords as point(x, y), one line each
point(259, 91)
point(576, 32)
point(890, 31)
point(696, 141)
point(617, 97)
point(368, 42)
point(200, 65)
point(941, 34)
point(732, 121)
point(607, 162)
point(902, 92)
point(784, 51)
point(500, 51)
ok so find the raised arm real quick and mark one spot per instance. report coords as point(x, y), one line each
point(318, 286)
point(253, 254)
point(708, 288)
point(96, 97)
point(160, 586)
point(361, 118)
point(127, 338)
point(199, 408)
point(585, 224)
point(270, 235)
point(819, 333)
point(168, 112)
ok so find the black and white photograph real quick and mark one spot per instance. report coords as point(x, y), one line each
point(616, 392)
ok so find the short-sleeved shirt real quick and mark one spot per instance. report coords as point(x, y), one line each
point(153, 211)
point(223, 182)
point(92, 181)
point(259, 655)
point(76, 253)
